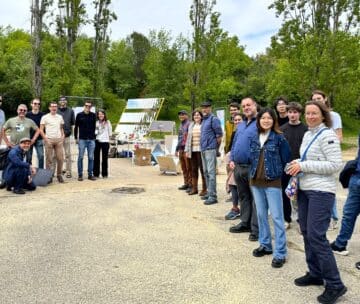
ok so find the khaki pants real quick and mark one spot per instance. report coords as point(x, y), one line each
point(54, 147)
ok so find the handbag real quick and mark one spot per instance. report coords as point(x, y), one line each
point(291, 189)
point(347, 172)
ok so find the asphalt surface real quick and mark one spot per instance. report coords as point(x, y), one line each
point(80, 242)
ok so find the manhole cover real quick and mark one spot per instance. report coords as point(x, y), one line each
point(128, 190)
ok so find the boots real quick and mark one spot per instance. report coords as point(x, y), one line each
point(204, 189)
point(194, 189)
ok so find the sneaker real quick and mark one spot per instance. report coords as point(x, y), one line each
point(329, 296)
point(80, 179)
point(308, 280)
point(19, 191)
point(205, 197)
point(92, 178)
point(233, 214)
point(338, 250)
point(333, 225)
point(357, 265)
point(210, 201)
point(278, 263)
point(261, 251)
point(287, 225)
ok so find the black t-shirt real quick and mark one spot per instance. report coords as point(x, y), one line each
point(282, 120)
point(36, 118)
point(294, 135)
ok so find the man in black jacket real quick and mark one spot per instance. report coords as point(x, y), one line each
point(84, 133)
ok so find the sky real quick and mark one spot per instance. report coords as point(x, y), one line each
point(250, 20)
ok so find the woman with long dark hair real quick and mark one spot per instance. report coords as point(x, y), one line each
point(103, 134)
point(269, 154)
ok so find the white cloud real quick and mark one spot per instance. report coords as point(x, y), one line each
point(250, 20)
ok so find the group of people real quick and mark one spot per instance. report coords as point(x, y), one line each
point(264, 149)
point(49, 134)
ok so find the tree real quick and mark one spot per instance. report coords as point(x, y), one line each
point(102, 18)
point(317, 47)
point(38, 11)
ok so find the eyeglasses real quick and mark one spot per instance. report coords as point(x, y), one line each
point(22, 110)
point(88, 106)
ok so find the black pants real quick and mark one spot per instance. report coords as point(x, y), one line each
point(314, 219)
point(248, 214)
point(104, 148)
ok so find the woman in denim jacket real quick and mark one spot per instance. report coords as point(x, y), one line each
point(269, 154)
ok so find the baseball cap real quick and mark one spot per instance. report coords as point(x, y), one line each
point(182, 112)
point(24, 139)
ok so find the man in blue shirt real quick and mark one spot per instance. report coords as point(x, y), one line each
point(240, 163)
point(350, 213)
point(210, 140)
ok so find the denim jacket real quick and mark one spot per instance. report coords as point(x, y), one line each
point(276, 155)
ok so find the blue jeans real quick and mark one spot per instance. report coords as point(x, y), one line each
point(334, 212)
point(350, 213)
point(39, 147)
point(209, 167)
point(314, 219)
point(270, 198)
point(89, 145)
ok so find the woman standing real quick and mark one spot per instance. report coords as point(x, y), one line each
point(230, 182)
point(192, 150)
point(103, 134)
point(269, 154)
point(316, 195)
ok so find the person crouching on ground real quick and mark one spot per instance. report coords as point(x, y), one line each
point(192, 150)
point(19, 172)
point(269, 153)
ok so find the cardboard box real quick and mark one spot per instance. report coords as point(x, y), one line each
point(143, 157)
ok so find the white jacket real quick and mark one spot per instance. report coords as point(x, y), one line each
point(323, 161)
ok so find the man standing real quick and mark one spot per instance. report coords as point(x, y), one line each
point(53, 123)
point(234, 109)
point(20, 127)
point(69, 121)
point(35, 115)
point(19, 172)
point(184, 161)
point(2, 118)
point(240, 163)
point(293, 131)
point(84, 133)
point(210, 140)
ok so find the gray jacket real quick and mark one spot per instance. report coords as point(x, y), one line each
point(323, 161)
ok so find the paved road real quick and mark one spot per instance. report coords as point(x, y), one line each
point(80, 242)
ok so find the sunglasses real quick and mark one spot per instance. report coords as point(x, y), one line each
point(22, 110)
point(36, 103)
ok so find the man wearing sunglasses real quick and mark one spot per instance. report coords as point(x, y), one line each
point(84, 133)
point(20, 127)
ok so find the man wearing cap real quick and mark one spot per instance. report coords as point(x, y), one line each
point(35, 114)
point(210, 140)
point(180, 150)
point(293, 131)
point(18, 174)
point(69, 121)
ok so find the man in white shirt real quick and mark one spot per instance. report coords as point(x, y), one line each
point(53, 124)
